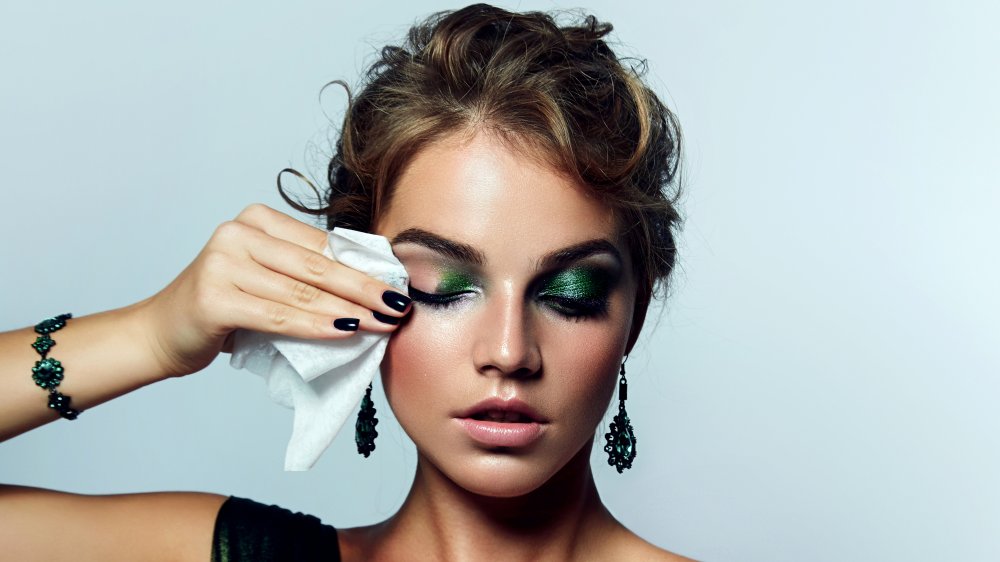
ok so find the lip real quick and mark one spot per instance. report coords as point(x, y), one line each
point(512, 405)
point(502, 434)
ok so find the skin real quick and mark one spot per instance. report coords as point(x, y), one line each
point(504, 336)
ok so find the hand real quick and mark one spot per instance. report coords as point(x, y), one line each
point(263, 271)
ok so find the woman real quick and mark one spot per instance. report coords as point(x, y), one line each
point(518, 169)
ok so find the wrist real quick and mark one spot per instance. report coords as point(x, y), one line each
point(138, 327)
point(171, 347)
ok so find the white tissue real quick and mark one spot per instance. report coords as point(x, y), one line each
point(323, 380)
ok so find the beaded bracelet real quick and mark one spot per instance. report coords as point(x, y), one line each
point(48, 372)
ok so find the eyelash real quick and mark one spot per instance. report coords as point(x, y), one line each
point(435, 300)
point(577, 309)
point(569, 308)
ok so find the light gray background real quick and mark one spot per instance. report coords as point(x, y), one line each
point(822, 385)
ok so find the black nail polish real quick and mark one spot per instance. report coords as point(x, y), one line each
point(396, 301)
point(385, 318)
point(346, 324)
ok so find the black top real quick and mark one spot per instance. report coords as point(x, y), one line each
point(247, 531)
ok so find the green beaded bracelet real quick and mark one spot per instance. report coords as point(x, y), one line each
point(48, 372)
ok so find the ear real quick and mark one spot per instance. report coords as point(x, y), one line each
point(642, 298)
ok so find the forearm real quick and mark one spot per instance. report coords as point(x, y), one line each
point(103, 355)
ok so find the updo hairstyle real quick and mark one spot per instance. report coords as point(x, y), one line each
point(550, 92)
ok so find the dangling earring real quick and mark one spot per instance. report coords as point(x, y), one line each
point(364, 428)
point(621, 438)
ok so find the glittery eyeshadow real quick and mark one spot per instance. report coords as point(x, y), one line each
point(578, 283)
point(454, 282)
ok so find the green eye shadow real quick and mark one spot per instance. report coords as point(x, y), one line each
point(578, 284)
point(454, 282)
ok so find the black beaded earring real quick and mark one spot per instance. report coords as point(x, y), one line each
point(621, 438)
point(364, 428)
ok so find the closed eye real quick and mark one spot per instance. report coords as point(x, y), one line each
point(579, 292)
point(576, 308)
point(436, 299)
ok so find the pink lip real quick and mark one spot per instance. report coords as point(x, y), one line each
point(502, 434)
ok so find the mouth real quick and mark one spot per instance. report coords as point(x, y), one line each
point(503, 416)
point(512, 411)
point(503, 425)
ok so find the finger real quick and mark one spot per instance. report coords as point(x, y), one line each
point(317, 270)
point(279, 225)
point(269, 285)
point(255, 313)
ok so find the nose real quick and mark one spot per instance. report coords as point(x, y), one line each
point(505, 344)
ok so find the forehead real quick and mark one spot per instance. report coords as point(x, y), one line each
point(476, 190)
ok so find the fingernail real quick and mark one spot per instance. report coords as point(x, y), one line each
point(385, 318)
point(346, 324)
point(396, 301)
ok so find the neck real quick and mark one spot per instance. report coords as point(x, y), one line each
point(559, 520)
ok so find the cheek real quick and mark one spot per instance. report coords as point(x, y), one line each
point(422, 360)
point(586, 359)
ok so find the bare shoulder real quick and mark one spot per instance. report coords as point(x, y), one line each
point(633, 547)
point(648, 551)
point(49, 525)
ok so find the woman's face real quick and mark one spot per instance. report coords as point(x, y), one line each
point(523, 305)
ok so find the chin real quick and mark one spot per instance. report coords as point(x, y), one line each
point(500, 475)
point(509, 475)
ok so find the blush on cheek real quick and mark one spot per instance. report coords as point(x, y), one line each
point(423, 361)
point(405, 356)
point(588, 368)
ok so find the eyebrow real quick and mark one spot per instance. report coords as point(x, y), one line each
point(577, 252)
point(440, 244)
point(469, 254)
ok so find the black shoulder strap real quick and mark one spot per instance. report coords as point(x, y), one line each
point(247, 531)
